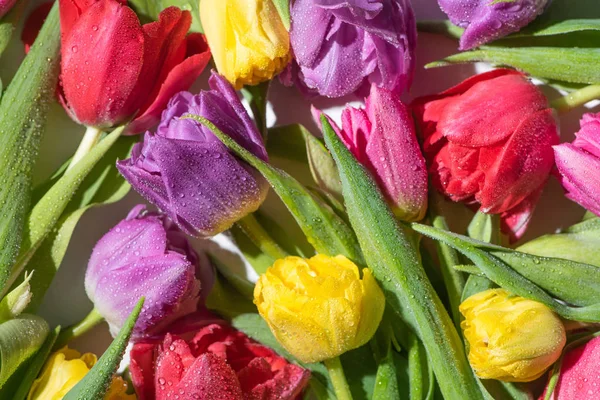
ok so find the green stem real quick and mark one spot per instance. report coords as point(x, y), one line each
point(576, 98)
point(79, 329)
point(90, 139)
point(260, 237)
point(338, 379)
point(257, 97)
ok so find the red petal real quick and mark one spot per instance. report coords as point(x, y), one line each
point(181, 77)
point(101, 62)
point(142, 369)
point(520, 166)
point(515, 221)
point(490, 111)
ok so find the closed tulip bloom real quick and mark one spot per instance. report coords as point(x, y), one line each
point(319, 308)
point(488, 149)
point(382, 138)
point(145, 255)
point(63, 370)
point(214, 362)
point(485, 20)
point(248, 40)
point(511, 338)
point(189, 174)
point(578, 162)
point(113, 68)
point(340, 45)
point(579, 378)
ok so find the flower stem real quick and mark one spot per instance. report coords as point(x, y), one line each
point(260, 237)
point(257, 97)
point(90, 138)
point(79, 329)
point(338, 379)
point(576, 98)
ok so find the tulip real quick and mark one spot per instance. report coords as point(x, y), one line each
point(578, 162)
point(248, 40)
point(340, 45)
point(216, 362)
point(484, 147)
point(382, 138)
point(485, 20)
point(63, 370)
point(579, 378)
point(145, 255)
point(319, 308)
point(510, 338)
point(113, 68)
point(188, 173)
point(5, 6)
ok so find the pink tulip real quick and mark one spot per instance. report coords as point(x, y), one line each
point(5, 6)
point(579, 162)
point(382, 138)
point(579, 378)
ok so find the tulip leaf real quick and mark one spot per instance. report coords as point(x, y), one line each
point(33, 368)
point(394, 260)
point(46, 214)
point(283, 8)
point(8, 24)
point(23, 110)
point(20, 338)
point(386, 380)
point(149, 10)
point(570, 281)
point(95, 383)
point(581, 242)
point(104, 185)
point(324, 229)
point(571, 64)
point(287, 142)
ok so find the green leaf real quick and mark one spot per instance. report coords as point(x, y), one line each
point(283, 7)
point(103, 185)
point(46, 214)
point(95, 383)
point(571, 64)
point(23, 110)
point(395, 263)
point(8, 24)
point(33, 369)
point(322, 166)
point(148, 10)
point(287, 141)
point(20, 338)
point(386, 380)
point(17, 300)
point(324, 229)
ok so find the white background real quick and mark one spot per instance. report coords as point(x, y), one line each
point(66, 301)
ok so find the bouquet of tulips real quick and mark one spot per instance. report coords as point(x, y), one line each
point(383, 250)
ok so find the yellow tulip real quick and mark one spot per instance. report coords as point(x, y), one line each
point(319, 308)
point(247, 38)
point(510, 338)
point(63, 370)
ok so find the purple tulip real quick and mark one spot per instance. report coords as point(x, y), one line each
point(488, 20)
point(382, 138)
point(339, 45)
point(579, 163)
point(188, 173)
point(146, 255)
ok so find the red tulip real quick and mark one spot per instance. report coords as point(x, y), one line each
point(217, 362)
point(113, 68)
point(488, 142)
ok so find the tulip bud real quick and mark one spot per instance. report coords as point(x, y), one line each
point(145, 255)
point(510, 338)
point(579, 378)
point(248, 40)
point(341, 45)
point(319, 308)
point(484, 147)
point(63, 370)
point(485, 20)
point(575, 161)
point(188, 173)
point(382, 138)
point(111, 72)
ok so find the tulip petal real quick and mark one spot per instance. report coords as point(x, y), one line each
point(141, 367)
point(588, 138)
point(516, 220)
point(579, 179)
point(482, 106)
point(102, 59)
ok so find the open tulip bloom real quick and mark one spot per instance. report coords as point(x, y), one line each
point(375, 268)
